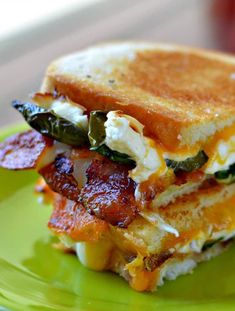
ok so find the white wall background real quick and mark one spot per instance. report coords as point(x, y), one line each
point(53, 28)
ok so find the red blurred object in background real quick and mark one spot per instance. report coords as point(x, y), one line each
point(223, 15)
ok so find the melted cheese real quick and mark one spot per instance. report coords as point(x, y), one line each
point(221, 151)
point(194, 245)
point(94, 255)
point(221, 220)
point(217, 221)
point(182, 153)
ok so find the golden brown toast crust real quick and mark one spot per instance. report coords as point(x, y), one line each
point(168, 88)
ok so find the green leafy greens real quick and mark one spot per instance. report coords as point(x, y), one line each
point(189, 164)
point(97, 136)
point(226, 176)
point(42, 118)
point(96, 132)
point(46, 122)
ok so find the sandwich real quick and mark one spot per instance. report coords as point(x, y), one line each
point(135, 145)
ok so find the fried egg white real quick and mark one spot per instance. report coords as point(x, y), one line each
point(125, 135)
point(70, 111)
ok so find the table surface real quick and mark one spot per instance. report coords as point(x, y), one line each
point(25, 55)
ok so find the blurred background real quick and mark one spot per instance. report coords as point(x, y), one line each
point(33, 33)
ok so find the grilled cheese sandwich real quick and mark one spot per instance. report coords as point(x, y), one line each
point(135, 143)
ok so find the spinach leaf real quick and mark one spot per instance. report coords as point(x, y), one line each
point(96, 132)
point(189, 164)
point(97, 136)
point(47, 123)
point(114, 155)
point(226, 176)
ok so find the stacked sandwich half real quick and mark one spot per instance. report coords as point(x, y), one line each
point(135, 143)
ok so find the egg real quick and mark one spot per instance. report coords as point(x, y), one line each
point(125, 135)
point(70, 111)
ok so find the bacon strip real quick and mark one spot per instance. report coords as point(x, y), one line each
point(59, 176)
point(23, 150)
point(109, 193)
point(71, 219)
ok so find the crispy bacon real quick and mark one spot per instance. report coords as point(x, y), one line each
point(23, 150)
point(109, 192)
point(71, 219)
point(59, 176)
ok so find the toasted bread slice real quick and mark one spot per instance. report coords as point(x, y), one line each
point(169, 270)
point(150, 250)
point(200, 215)
point(182, 95)
point(146, 254)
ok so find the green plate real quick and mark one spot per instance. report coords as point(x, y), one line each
point(34, 276)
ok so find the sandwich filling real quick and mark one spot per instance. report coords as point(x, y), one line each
point(151, 168)
point(110, 182)
point(121, 138)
